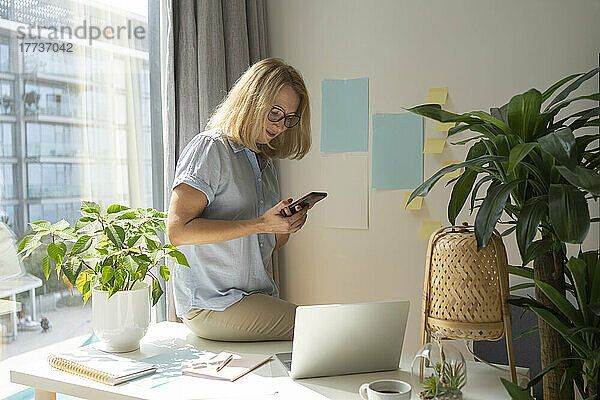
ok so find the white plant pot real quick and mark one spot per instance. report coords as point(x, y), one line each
point(121, 321)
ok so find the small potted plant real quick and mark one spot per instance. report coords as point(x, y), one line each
point(445, 383)
point(110, 255)
point(448, 367)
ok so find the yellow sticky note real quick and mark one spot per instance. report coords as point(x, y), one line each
point(444, 126)
point(428, 227)
point(434, 145)
point(437, 95)
point(416, 204)
point(455, 173)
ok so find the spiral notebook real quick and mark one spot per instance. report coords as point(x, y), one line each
point(240, 365)
point(107, 368)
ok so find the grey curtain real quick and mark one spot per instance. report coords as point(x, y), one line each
point(205, 45)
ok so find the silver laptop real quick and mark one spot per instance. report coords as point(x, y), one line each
point(339, 339)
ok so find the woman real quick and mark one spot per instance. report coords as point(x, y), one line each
point(225, 210)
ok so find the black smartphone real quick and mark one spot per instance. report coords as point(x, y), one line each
point(308, 200)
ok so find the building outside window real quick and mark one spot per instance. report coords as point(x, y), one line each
point(67, 121)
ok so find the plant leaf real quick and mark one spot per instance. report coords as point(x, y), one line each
point(71, 270)
point(500, 113)
point(521, 286)
point(577, 268)
point(490, 211)
point(569, 213)
point(56, 251)
point(528, 331)
point(546, 95)
point(521, 271)
point(548, 368)
point(536, 249)
point(581, 177)
point(46, 267)
point(459, 195)
point(556, 109)
point(119, 277)
point(424, 188)
point(532, 213)
point(178, 257)
point(509, 231)
point(130, 265)
point(522, 113)
point(560, 145)
point(518, 153)
point(67, 233)
point(133, 241)
point(551, 319)
point(28, 245)
point(40, 225)
point(164, 272)
point(116, 234)
point(560, 302)
point(82, 244)
point(127, 215)
point(156, 291)
point(435, 112)
point(573, 86)
point(59, 226)
point(516, 392)
point(84, 222)
point(107, 274)
point(90, 207)
point(116, 208)
point(476, 189)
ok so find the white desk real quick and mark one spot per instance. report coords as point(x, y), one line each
point(483, 382)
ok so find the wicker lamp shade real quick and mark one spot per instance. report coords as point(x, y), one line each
point(466, 292)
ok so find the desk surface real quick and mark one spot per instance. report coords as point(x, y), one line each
point(268, 382)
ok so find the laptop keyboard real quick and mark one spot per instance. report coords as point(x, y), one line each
point(285, 359)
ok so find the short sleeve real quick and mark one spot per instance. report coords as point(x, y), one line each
point(200, 165)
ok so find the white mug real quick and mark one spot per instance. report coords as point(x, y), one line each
point(386, 389)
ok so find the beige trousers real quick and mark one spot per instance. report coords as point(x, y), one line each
point(256, 317)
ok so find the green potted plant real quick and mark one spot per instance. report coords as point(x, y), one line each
point(578, 324)
point(537, 173)
point(109, 255)
point(445, 383)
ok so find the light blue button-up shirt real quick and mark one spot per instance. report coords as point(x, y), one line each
point(238, 185)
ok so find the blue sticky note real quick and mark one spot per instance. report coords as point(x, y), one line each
point(345, 115)
point(397, 151)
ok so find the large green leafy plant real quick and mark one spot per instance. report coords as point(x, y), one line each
point(539, 174)
point(578, 324)
point(112, 248)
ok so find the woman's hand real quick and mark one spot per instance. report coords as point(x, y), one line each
point(273, 222)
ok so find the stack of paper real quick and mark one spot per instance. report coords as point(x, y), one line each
point(240, 365)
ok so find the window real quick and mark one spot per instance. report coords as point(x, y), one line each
point(7, 189)
point(4, 55)
point(46, 140)
point(7, 101)
point(67, 123)
point(6, 139)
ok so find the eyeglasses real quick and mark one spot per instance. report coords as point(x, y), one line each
point(277, 113)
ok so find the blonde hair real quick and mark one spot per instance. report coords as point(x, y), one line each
point(241, 116)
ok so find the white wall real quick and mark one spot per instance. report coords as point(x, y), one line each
point(483, 51)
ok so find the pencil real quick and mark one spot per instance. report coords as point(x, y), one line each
point(225, 362)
